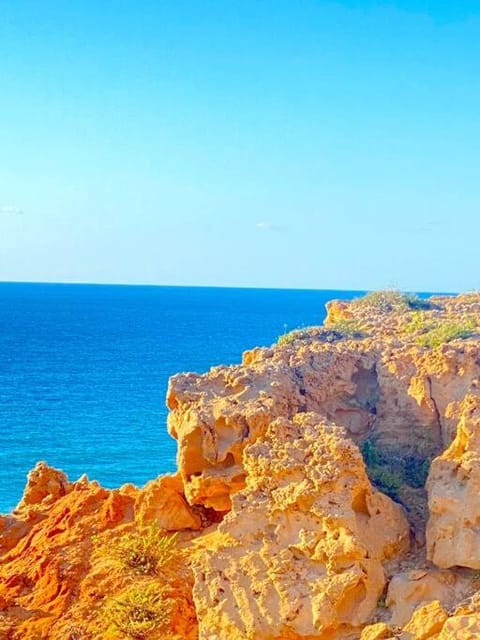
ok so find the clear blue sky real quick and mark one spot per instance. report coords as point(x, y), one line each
point(283, 143)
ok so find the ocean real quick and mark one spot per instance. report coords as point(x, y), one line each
point(84, 369)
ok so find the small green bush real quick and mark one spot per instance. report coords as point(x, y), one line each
point(386, 480)
point(371, 454)
point(389, 469)
point(390, 300)
point(146, 551)
point(290, 337)
point(138, 611)
point(417, 323)
point(347, 328)
point(446, 332)
point(416, 470)
point(415, 303)
point(332, 333)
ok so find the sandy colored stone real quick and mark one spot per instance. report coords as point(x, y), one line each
point(300, 554)
point(412, 589)
point(379, 385)
point(58, 568)
point(337, 311)
point(426, 621)
point(215, 416)
point(162, 501)
point(377, 631)
point(43, 484)
point(453, 535)
point(461, 628)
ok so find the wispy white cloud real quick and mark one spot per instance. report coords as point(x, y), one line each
point(269, 226)
point(426, 227)
point(9, 210)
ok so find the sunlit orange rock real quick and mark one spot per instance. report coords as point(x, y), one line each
point(465, 627)
point(412, 589)
point(453, 534)
point(301, 553)
point(377, 631)
point(162, 502)
point(426, 622)
point(44, 485)
point(338, 311)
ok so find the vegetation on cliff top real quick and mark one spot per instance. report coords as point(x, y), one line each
point(387, 301)
point(345, 329)
point(425, 322)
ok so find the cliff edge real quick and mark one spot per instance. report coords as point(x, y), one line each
point(327, 488)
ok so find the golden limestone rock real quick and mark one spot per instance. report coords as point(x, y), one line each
point(461, 628)
point(162, 502)
point(44, 485)
point(377, 631)
point(378, 380)
point(409, 590)
point(216, 415)
point(426, 622)
point(300, 554)
point(337, 311)
point(453, 534)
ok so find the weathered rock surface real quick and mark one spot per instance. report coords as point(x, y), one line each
point(461, 628)
point(300, 554)
point(44, 486)
point(54, 583)
point(162, 501)
point(377, 631)
point(379, 385)
point(427, 621)
point(412, 589)
point(453, 530)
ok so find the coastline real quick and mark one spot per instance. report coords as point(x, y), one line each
point(315, 484)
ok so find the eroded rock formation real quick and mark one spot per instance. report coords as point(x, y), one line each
point(300, 554)
point(454, 495)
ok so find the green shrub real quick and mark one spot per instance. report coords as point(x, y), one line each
point(386, 480)
point(288, 338)
point(415, 303)
point(146, 551)
point(446, 332)
point(332, 333)
point(416, 470)
point(347, 328)
point(371, 454)
point(390, 300)
point(417, 323)
point(139, 611)
point(390, 469)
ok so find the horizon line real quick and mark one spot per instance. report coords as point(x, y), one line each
point(206, 286)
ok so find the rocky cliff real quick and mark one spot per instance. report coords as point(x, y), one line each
point(327, 488)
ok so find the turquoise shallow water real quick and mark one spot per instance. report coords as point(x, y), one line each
point(84, 369)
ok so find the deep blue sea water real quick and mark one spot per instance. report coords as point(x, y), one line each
point(84, 369)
